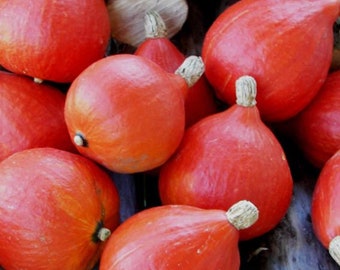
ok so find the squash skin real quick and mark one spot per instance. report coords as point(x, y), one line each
point(51, 213)
point(291, 243)
point(173, 237)
point(326, 202)
point(199, 99)
point(130, 111)
point(316, 129)
point(289, 54)
point(52, 40)
point(31, 115)
point(227, 157)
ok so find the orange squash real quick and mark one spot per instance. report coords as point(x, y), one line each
point(179, 237)
point(227, 157)
point(31, 115)
point(326, 207)
point(52, 40)
point(316, 129)
point(127, 113)
point(56, 209)
point(200, 100)
point(285, 45)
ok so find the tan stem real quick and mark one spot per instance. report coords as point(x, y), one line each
point(191, 69)
point(154, 25)
point(246, 91)
point(242, 214)
point(103, 234)
point(334, 249)
point(38, 80)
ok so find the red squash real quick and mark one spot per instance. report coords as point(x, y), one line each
point(56, 209)
point(326, 206)
point(285, 45)
point(179, 237)
point(31, 115)
point(52, 40)
point(199, 101)
point(317, 128)
point(227, 157)
point(127, 113)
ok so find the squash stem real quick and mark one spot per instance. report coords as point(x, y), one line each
point(38, 80)
point(334, 249)
point(100, 233)
point(154, 25)
point(80, 140)
point(246, 91)
point(242, 214)
point(103, 234)
point(191, 69)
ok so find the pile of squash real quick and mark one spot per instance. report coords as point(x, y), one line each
point(169, 134)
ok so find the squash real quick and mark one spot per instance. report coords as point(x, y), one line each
point(31, 115)
point(52, 40)
point(292, 244)
point(179, 237)
point(285, 45)
point(227, 157)
point(56, 209)
point(127, 113)
point(316, 129)
point(199, 100)
point(326, 206)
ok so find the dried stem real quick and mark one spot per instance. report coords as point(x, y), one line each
point(243, 214)
point(154, 25)
point(246, 91)
point(103, 234)
point(38, 80)
point(191, 69)
point(80, 140)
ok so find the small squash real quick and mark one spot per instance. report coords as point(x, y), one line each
point(326, 207)
point(31, 115)
point(52, 40)
point(179, 237)
point(227, 157)
point(57, 209)
point(316, 129)
point(127, 113)
point(200, 100)
point(285, 45)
